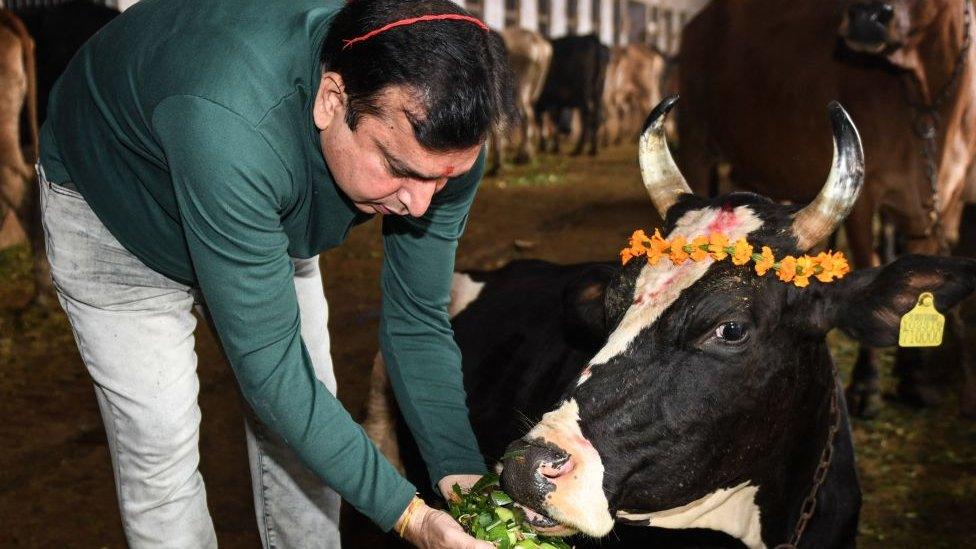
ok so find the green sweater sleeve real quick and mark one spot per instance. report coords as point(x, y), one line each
point(230, 186)
point(416, 338)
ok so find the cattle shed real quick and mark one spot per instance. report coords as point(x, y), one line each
point(27, 4)
point(617, 22)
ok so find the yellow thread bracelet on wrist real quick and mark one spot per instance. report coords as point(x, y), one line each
point(414, 503)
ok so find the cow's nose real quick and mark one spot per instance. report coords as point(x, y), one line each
point(869, 22)
point(529, 469)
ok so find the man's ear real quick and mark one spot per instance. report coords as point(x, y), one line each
point(585, 319)
point(330, 100)
point(868, 304)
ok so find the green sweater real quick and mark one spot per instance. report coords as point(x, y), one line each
point(187, 126)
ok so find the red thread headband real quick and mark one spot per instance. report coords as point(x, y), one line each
point(411, 21)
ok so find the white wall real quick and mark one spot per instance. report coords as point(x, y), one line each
point(123, 4)
point(584, 17)
point(557, 18)
point(606, 21)
point(529, 14)
point(495, 14)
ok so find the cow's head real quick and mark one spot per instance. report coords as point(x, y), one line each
point(711, 376)
point(894, 29)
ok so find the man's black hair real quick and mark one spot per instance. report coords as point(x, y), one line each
point(458, 71)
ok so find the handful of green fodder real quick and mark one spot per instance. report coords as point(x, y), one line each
point(488, 513)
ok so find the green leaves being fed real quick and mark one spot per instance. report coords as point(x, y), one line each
point(488, 513)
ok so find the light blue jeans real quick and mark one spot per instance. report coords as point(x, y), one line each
point(134, 329)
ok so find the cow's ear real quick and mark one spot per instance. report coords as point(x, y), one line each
point(585, 320)
point(868, 304)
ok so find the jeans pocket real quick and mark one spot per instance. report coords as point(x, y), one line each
point(65, 189)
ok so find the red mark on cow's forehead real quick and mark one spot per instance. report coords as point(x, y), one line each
point(724, 221)
point(657, 291)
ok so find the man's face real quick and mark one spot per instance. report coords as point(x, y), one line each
point(379, 165)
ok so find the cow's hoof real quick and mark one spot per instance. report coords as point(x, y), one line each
point(863, 400)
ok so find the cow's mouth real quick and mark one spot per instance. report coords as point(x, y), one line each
point(871, 48)
point(544, 524)
point(536, 519)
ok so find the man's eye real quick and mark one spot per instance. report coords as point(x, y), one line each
point(732, 332)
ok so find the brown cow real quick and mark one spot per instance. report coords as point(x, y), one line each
point(529, 55)
point(18, 128)
point(613, 88)
point(632, 88)
point(755, 75)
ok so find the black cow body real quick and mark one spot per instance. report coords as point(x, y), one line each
point(575, 81)
point(517, 369)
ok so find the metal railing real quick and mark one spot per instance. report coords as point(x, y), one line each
point(28, 4)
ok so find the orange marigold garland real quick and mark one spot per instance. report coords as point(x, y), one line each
point(825, 266)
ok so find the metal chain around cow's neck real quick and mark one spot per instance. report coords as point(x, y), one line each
point(820, 474)
point(925, 126)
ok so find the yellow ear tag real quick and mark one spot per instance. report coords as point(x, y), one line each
point(922, 326)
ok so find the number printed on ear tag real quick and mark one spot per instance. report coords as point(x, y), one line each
point(922, 326)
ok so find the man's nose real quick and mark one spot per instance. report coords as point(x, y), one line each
point(418, 196)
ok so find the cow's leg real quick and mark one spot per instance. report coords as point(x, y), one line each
point(593, 121)
point(526, 133)
point(380, 422)
point(864, 391)
point(18, 190)
point(555, 134)
point(495, 153)
point(540, 124)
point(585, 129)
point(14, 170)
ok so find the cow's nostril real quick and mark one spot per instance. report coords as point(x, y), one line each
point(868, 23)
point(885, 13)
point(558, 468)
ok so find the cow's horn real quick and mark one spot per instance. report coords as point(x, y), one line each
point(662, 178)
point(819, 218)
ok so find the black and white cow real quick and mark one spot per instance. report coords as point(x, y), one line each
point(699, 398)
point(575, 81)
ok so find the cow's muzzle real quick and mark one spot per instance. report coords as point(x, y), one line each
point(557, 474)
point(529, 470)
point(867, 27)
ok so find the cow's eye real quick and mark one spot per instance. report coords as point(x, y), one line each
point(732, 332)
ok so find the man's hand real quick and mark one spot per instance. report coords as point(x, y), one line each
point(432, 529)
point(464, 481)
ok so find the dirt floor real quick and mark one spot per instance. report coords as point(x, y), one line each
point(918, 467)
